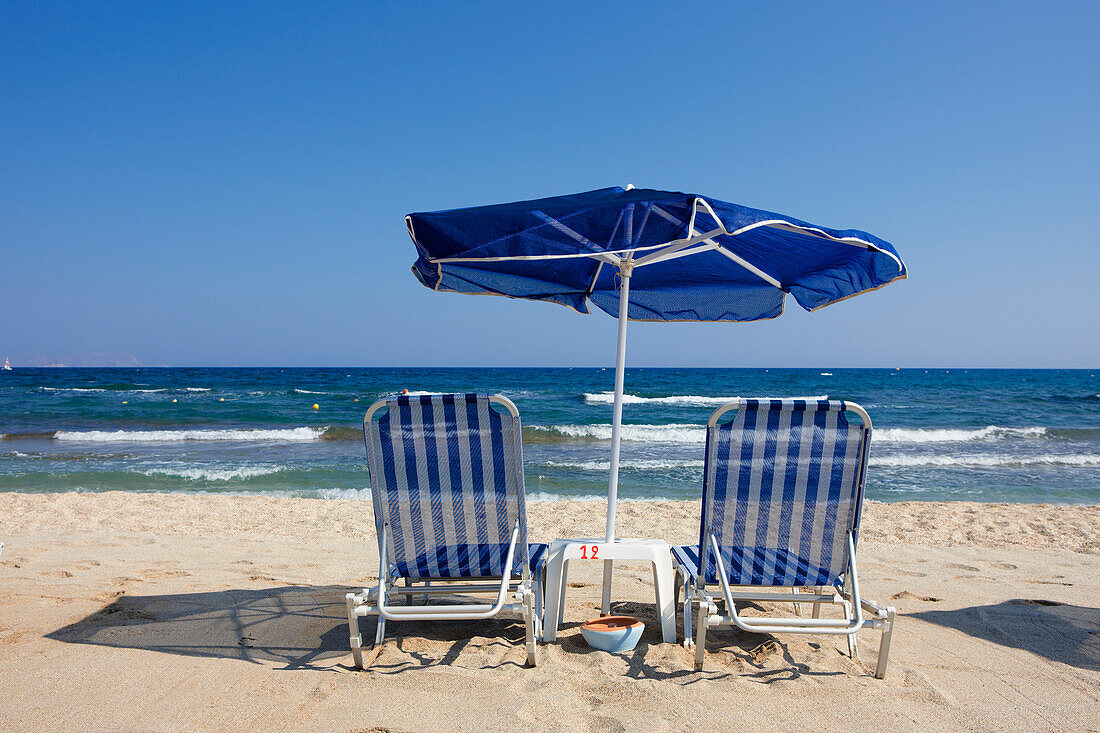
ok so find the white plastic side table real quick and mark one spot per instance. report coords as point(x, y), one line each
point(561, 552)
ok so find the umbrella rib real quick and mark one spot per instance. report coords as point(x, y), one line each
point(592, 285)
point(546, 218)
point(672, 248)
point(750, 267)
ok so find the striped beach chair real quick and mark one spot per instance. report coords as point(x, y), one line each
point(782, 494)
point(446, 474)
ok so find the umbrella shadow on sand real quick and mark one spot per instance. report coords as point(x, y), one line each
point(1060, 632)
point(298, 627)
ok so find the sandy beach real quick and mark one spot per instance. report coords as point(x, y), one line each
point(150, 611)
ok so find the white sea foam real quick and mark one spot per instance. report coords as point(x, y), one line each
point(953, 435)
point(643, 464)
point(215, 474)
point(359, 494)
point(98, 389)
point(199, 389)
point(888, 461)
point(308, 391)
point(608, 398)
point(169, 436)
point(672, 433)
point(72, 389)
point(685, 433)
point(984, 460)
point(601, 497)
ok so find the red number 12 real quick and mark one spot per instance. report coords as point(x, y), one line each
point(584, 552)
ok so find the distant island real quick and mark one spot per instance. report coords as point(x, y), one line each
point(76, 360)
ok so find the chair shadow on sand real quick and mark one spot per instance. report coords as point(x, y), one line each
point(1060, 632)
point(299, 627)
point(305, 627)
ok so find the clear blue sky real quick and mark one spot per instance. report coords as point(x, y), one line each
point(225, 183)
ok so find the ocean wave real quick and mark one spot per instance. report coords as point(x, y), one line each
point(119, 390)
point(642, 464)
point(686, 433)
point(167, 436)
point(600, 497)
point(198, 389)
point(608, 398)
point(72, 389)
point(308, 391)
point(985, 460)
point(671, 433)
point(215, 474)
point(358, 494)
point(954, 435)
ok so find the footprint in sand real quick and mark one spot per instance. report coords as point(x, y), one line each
point(68, 570)
point(56, 574)
point(957, 566)
point(761, 653)
point(125, 580)
point(153, 574)
point(1036, 602)
point(906, 595)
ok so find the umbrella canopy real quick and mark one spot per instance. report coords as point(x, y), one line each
point(694, 258)
point(646, 255)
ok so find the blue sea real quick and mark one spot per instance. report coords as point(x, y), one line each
point(978, 435)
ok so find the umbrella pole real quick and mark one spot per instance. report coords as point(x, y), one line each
point(625, 270)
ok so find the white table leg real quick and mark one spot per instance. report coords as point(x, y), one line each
point(554, 596)
point(564, 588)
point(663, 584)
point(605, 604)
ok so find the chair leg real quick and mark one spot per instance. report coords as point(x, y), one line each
point(884, 644)
point(356, 637)
point(540, 590)
point(849, 613)
point(688, 641)
point(700, 635)
point(817, 604)
point(381, 632)
point(529, 622)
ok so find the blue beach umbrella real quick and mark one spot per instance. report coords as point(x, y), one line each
point(646, 255)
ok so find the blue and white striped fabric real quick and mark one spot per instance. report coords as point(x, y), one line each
point(783, 485)
point(447, 473)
